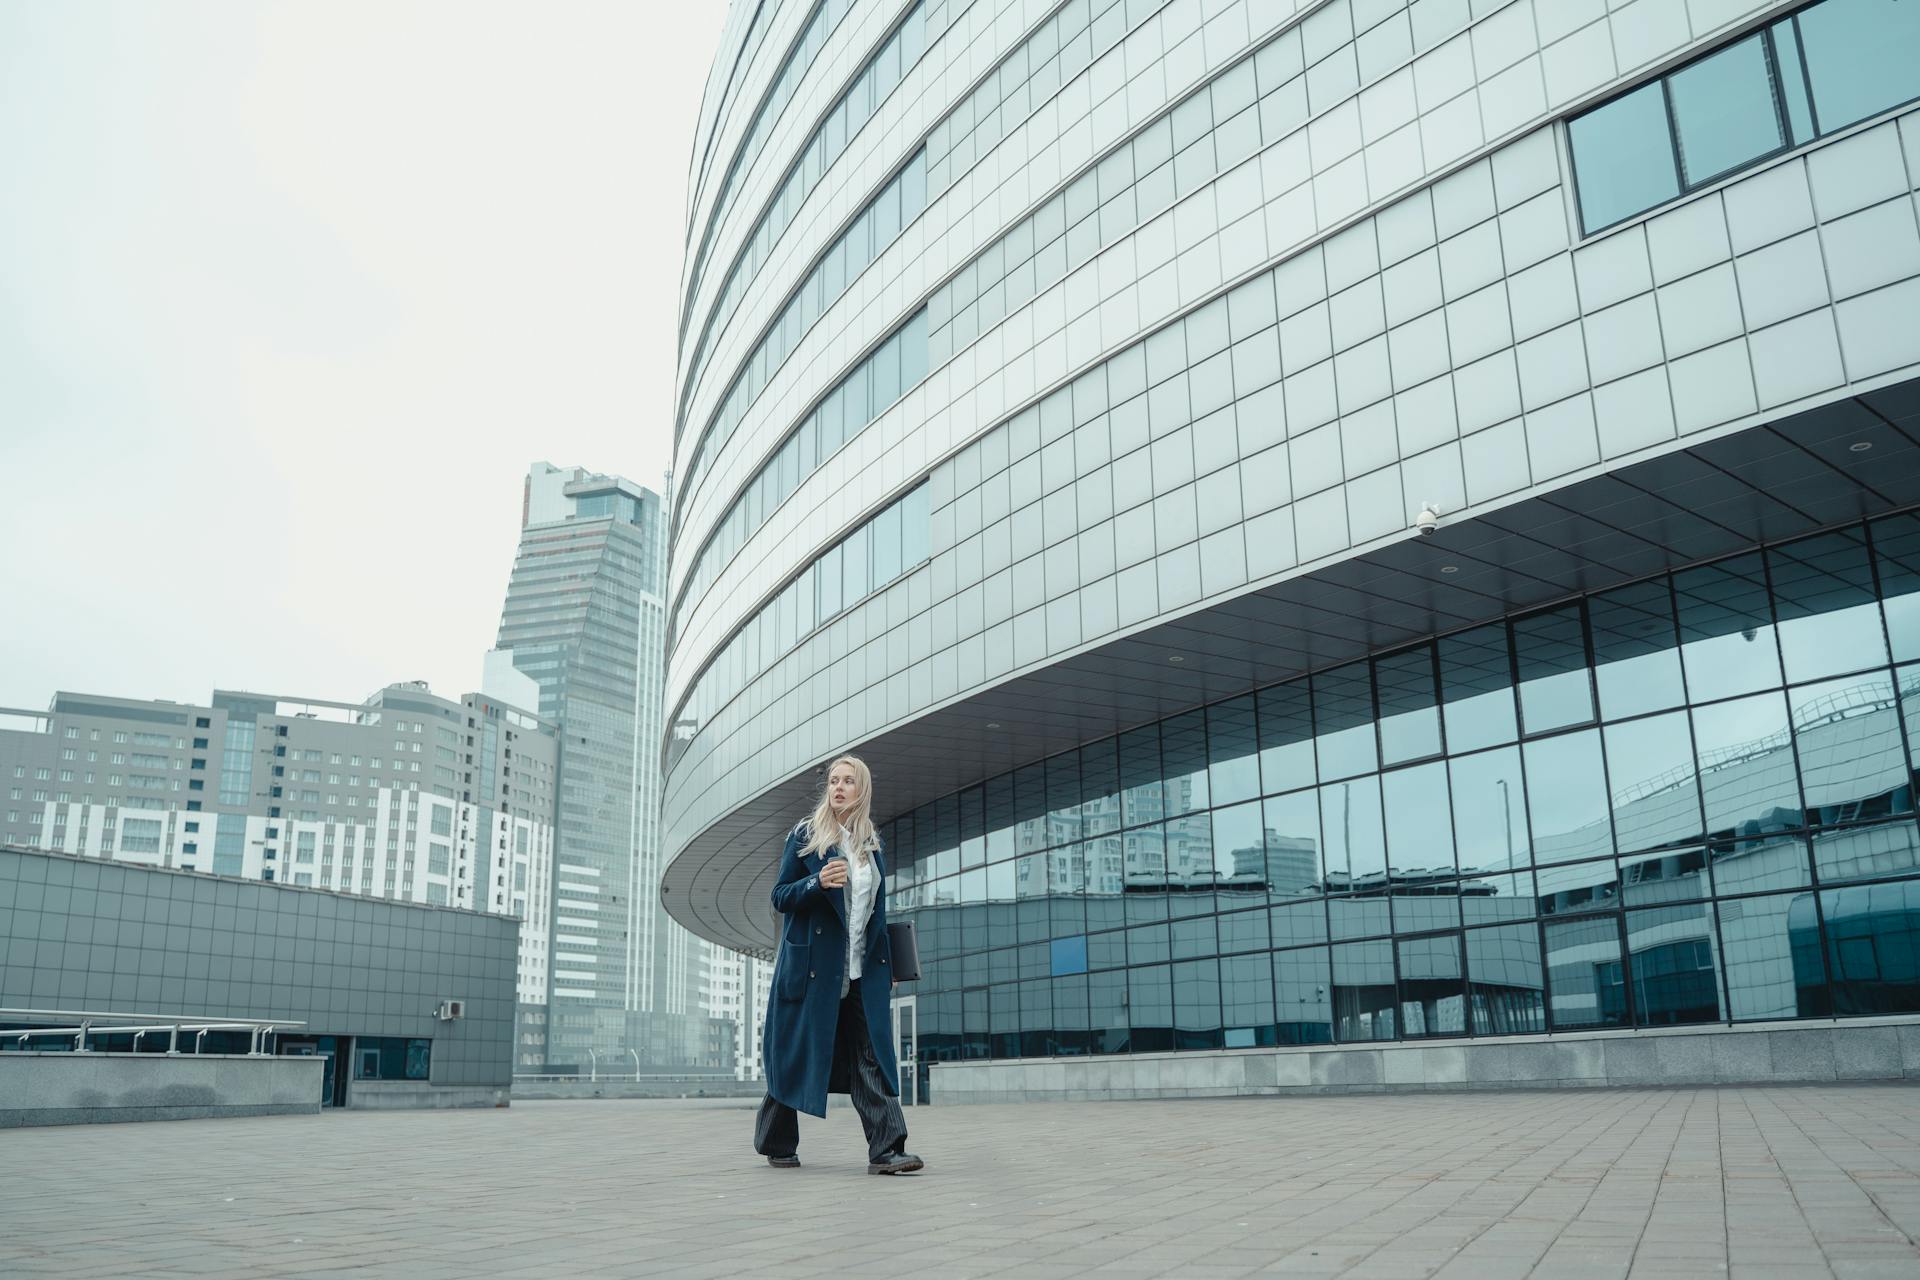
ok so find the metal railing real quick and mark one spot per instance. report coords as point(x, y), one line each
point(90, 1023)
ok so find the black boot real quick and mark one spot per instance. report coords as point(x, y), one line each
point(897, 1162)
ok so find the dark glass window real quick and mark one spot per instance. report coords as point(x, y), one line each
point(1141, 797)
point(1100, 787)
point(1873, 947)
point(1063, 798)
point(1623, 157)
point(1664, 875)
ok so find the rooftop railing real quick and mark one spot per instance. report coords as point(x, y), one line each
point(82, 1027)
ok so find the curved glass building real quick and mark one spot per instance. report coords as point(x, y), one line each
point(1333, 521)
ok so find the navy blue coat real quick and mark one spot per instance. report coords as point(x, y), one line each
point(803, 1008)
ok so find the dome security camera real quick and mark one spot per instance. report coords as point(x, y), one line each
point(1428, 521)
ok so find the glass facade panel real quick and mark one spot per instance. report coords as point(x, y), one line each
point(1863, 57)
point(1675, 977)
point(1829, 66)
point(1508, 991)
point(1751, 854)
point(1635, 662)
point(1586, 987)
point(1409, 706)
point(1623, 157)
point(1550, 652)
point(1723, 111)
point(1476, 681)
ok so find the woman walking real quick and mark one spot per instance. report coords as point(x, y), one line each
point(829, 1016)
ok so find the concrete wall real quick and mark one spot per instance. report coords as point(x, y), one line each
point(101, 1088)
point(1764, 1053)
point(419, 1095)
point(718, 1087)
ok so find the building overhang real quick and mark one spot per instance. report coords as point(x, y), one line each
point(1755, 485)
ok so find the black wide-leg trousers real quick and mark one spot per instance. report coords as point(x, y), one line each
point(776, 1130)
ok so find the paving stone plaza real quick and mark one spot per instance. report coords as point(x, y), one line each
point(1789, 1182)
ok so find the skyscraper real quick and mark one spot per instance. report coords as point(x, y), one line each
point(584, 621)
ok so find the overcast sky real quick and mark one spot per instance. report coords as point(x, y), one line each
point(291, 293)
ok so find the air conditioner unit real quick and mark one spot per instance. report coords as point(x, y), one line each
point(451, 1009)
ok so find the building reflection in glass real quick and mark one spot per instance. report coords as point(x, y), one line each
point(1688, 800)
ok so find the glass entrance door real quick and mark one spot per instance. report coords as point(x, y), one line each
point(906, 1045)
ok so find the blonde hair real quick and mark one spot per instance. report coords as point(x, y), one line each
point(824, 825)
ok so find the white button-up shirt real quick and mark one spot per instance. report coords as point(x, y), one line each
point(863, 879)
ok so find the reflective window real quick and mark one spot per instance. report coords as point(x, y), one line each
point(1831, 65)
point(1863, 57)
point(1636, 661)
point(1291, 861)
point(1771, 950)
point(1419, 822)
point(1550, 650)
point(1432, 987)
point(1476, 680)
point(1343, 721)
point(1656, 798)
point(1623, 157)
point(1489, 810)
point(1508, 991)
point(1286, 737)
point(1354, 835)
point(1896, 548)
point(1232, 751)
point(1829, 618)
point(1723, 111)
point(1675, 979)
point(1747, 775)
point(1873, 947)
point(1409, 706)
point(1364, 1005)
point(1680, 862)
point(1726, 629)
point(1866, 853)
point(1567, 798)
point(1585, 981)
point(1302, 996)
point(1853, 765)
point(1246, 1001)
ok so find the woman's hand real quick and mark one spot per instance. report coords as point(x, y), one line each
point(833, 875)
